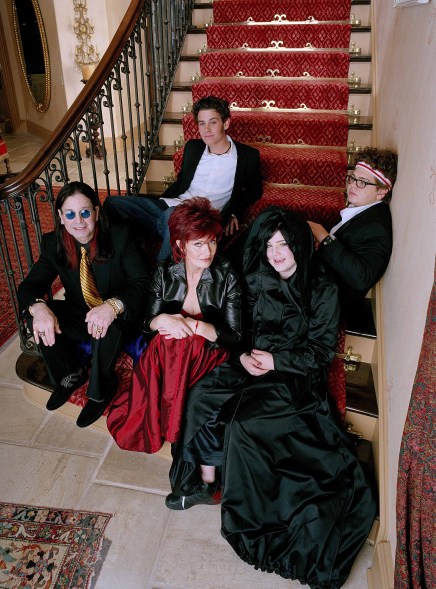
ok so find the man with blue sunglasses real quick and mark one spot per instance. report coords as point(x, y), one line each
point(105, 284)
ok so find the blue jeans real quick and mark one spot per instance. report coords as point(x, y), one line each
point(149, 215)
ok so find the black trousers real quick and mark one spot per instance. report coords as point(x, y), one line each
point(63, 357)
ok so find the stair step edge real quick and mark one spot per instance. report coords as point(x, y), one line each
point(187, 86)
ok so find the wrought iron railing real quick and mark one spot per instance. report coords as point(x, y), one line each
point(105, 139)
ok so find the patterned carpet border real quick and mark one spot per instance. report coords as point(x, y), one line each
point(48, 548)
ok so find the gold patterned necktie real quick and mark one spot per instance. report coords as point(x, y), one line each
point(87, 282)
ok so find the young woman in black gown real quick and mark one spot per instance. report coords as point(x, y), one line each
point(295, 500)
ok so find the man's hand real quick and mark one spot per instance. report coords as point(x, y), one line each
point(45, 324)
point(319, 232)
point(98, 319)
point(232, 226)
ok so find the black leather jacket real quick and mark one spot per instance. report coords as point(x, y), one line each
point(218, 291)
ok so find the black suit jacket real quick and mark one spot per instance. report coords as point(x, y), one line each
point(360, 253)
point(247, 187)
point(123, 276)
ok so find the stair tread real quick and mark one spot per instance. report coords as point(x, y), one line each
point(282, 128)
point(261, 11)
point(361, 58)
point(361, 122)
point(208, 5)
point(187, 86)
point(196, 30)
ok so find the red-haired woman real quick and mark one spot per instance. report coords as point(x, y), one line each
point(194, 311)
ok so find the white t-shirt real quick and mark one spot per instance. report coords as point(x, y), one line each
point(214, 178)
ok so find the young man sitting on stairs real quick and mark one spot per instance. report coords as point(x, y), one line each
point(358, 248)
point(216, 167)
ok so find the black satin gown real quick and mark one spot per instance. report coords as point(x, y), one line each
point(295, 498)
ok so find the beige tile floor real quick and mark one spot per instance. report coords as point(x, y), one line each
point(46, 460)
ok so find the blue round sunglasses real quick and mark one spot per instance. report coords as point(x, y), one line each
point(84, 213)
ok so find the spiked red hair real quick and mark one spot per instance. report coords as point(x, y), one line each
point(195, 218)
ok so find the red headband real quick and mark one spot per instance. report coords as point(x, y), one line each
point(376, 173)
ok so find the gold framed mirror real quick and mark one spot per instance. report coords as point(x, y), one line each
point(33, 51)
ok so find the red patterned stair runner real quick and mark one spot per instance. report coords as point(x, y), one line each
point(234, 11)
point(321, 35)
point(315, 203)
point(281, 127)
point(316, 166)
point(317, 64)
point(256, 93)
point(319, 170)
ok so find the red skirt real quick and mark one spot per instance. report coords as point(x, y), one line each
point(142, 419)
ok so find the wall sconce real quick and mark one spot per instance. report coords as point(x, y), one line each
point(85, 54)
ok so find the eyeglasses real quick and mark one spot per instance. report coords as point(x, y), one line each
point(84, 213)
point(359, 183)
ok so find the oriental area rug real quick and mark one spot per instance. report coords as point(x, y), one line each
point(47, 548)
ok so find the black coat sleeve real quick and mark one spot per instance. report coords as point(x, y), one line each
point(156, 301)
point(248, 182)
point(228, 325)
point(133, 281)
point(41, 276)
point(317, 350)
point(192, 152)
point(360, 256)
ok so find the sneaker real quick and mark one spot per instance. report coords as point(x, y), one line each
point(63, 391)
point(207, 494)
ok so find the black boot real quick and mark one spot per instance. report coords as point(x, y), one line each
point(206, 494)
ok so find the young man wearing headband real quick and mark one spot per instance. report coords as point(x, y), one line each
point(358, 248)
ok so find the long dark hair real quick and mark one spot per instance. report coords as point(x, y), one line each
point(298, 236)
point(100, 247)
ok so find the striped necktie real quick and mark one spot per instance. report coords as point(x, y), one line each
point(87, 282)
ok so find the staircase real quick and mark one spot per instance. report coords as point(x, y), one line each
point(292, 147)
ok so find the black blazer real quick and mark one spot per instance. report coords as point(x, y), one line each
point(360, 253)
point(123, 276)
point(247, 187)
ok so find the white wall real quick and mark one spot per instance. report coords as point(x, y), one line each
point(105, 16)
point(406, 121)
point(58, 17)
